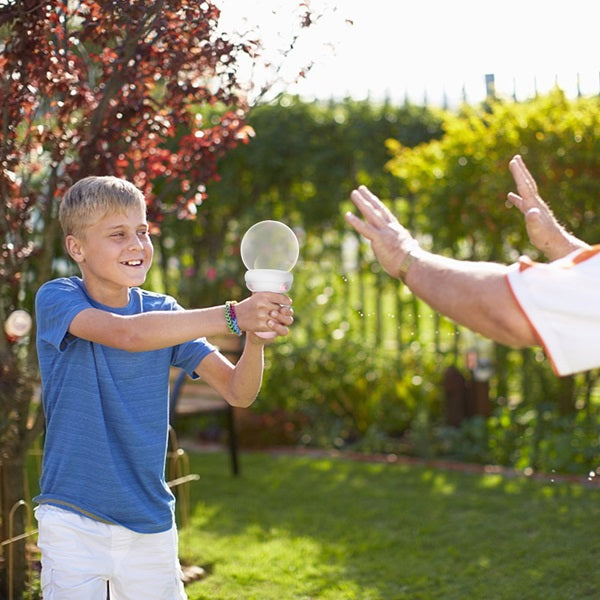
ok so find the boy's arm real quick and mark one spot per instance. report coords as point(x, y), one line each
point(239, 384)
point(264, 311)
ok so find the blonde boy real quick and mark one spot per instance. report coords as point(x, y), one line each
point(105, 348)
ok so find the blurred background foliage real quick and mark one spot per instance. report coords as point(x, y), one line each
point(366, 366)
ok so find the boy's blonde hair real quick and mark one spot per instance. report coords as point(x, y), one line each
point(91, 198)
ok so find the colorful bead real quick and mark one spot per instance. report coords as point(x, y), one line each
point(231, 319)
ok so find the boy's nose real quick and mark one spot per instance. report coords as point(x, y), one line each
point(135, 243)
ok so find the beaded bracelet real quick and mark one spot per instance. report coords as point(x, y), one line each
point(230, 318)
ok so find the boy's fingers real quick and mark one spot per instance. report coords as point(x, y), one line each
point(283, 319)
point(278, 328)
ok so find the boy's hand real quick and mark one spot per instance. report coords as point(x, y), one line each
point(265, 312)
point(256, 339)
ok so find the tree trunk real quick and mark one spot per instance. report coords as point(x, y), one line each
point(566, 395)
point(17, 433)
point(12, 505)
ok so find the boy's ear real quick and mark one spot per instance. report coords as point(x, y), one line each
point(74, 248)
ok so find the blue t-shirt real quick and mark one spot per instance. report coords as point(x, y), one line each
point(107, 412)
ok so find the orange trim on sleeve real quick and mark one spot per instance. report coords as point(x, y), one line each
point(578, 257)
point(585, 254)
point(524, 263)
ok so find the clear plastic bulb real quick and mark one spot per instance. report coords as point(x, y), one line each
point(270, 245)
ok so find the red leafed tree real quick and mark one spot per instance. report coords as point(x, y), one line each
point(142, 90)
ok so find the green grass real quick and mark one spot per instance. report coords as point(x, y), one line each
point(297, 527)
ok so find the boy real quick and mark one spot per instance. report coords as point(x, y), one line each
point(105, 348)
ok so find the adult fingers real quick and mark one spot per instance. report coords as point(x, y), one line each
point(526, 185)
point(516, 201)
point(362, 227)
point(377, 206)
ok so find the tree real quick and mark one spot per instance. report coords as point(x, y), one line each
point(116, 87)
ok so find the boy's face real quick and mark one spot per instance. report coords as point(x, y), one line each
point(113, 254)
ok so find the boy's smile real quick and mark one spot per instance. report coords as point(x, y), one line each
point(113, 254)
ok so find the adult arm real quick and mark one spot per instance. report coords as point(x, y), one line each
point(264, 311)
point(474, 294)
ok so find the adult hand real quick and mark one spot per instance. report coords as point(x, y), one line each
point(544, 231)
point(390, 241)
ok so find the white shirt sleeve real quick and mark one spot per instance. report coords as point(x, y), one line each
point(561, 300)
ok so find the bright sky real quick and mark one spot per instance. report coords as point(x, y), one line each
point(401, 48)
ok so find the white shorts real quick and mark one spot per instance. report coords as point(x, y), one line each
point(80, 555)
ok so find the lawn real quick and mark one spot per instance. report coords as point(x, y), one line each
point(301, 527)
